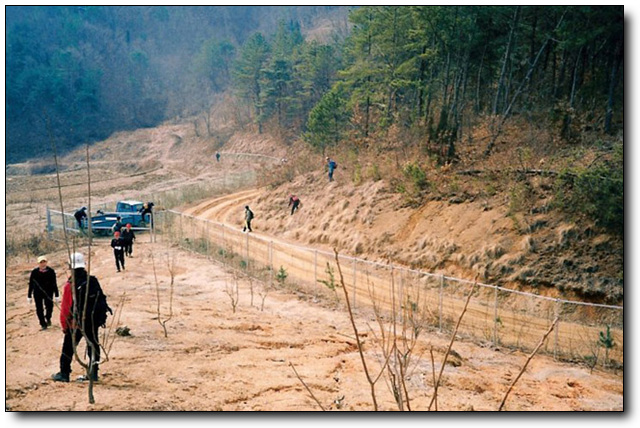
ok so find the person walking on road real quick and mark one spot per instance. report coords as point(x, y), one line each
point(217, 156)
point(128, 236)
point(248, 216)
point(79, 319)
point(43, 288)
point(117, 243)
point(294, 203)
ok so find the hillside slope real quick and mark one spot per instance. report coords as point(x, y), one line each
point(462, 231)
point(462, 235)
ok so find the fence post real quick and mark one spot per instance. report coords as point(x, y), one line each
point(271, 259)
point(49, 226)
point(393, 297)
point(354, 282)
point(495, 315)
point(206, 234)
point(151, 237)
point(557, 328)
point(315, 270)
point(247, 256)
point(440, 303)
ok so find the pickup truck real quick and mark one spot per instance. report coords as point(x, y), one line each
point(129, 212)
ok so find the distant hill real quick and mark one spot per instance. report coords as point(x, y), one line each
point(80, 73)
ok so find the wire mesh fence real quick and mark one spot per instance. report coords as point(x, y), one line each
point(587, 333)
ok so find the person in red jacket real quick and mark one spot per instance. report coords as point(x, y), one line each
point(294, 203)
point(77, 321)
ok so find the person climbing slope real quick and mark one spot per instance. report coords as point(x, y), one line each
point(331, 165)
point(294, 203)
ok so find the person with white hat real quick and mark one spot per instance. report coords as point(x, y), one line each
point(43, 288)
point(80, 320)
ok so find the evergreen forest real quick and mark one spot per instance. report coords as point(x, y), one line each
point(79, 73)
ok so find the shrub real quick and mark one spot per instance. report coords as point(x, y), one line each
point(281, 276)
point(31, 245)
point(597, 192)
point(416, 176)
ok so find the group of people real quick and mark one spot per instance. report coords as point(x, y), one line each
point(122, 243)
point(146, 211)
point(76, 323)
point(82, 311)
point(294, 201)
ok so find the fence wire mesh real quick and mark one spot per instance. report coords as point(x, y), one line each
point(495, 316)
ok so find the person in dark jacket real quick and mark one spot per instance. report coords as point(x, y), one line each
point(80, 215)
point(117, 226)
point(294, 203)
point(117, 243)
point(77, 321)
point(147, 208)
point(43, 288)
point(248, 216)
point(128, 236)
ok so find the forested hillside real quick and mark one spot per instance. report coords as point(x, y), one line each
point(83, 72)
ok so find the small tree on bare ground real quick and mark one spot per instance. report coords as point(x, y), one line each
point(231, 289)
point(251, 291)
point(171, 268)
point(264, 291)
point(453, 338)
point(371, 380)
point(397, 347)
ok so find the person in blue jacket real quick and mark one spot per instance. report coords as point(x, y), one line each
point(332, 165)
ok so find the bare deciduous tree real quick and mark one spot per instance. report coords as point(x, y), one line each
point(171, 267)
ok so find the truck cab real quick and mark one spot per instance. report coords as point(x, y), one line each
point(129, 206)
point(128, 211)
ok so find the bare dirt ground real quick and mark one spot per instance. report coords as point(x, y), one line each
point(216, 359)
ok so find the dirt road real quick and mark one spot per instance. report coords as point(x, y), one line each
point(522, 320)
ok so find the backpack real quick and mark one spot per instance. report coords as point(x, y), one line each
point(97, 306)
point(334, 164)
